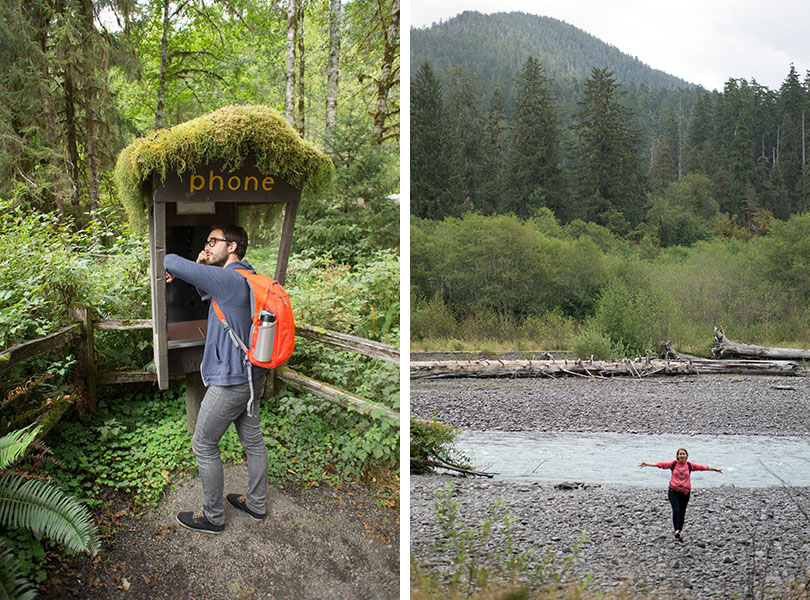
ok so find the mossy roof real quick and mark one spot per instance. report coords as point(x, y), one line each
point(229, 134)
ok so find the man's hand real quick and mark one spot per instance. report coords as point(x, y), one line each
point(202, 258)
point(169, 278)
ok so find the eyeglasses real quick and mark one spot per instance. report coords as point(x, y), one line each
point(211, 242)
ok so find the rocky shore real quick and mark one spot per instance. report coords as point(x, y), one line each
point(739, 542)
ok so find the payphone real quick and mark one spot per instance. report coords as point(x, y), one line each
point(193, 177)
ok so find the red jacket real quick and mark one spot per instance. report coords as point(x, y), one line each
point(680, 481)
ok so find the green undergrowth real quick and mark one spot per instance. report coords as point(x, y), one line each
point(138, 445)
point(490, 562)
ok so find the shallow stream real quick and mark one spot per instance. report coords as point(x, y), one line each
point(612, 458)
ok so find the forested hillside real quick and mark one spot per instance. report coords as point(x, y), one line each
point(575, 186)
point(493, 47)
point(610, 151)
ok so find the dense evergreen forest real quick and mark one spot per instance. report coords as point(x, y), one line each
point(79, 81)
point(606, 164)
point(82, 78)
point(612, 144)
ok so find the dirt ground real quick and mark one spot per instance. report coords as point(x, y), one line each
point(316, 543)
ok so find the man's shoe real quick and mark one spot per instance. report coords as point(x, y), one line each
point(239, 502)
point(197, 521)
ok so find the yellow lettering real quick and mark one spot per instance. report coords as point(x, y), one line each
point(192, 184)
point(231, 185)
point(255, 183)
point(211, 178)
point(267, 183)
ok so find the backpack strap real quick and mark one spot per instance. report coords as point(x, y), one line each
point(240, 345)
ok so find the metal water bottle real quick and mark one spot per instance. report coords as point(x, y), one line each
point(266, 336)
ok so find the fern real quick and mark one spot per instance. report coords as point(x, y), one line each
point(46, 510)
point(13, 445)
point(13, 583)
point(40, 507)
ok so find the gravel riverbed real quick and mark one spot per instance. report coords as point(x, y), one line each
point(739, 542)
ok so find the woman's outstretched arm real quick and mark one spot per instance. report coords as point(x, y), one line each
point(646, 464)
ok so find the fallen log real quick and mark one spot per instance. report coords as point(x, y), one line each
point(593, 369)
point(724, 347)
point(421, 465)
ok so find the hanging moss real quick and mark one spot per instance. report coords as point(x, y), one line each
point(228, 134)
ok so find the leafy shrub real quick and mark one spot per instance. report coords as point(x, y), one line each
point(430, 441)
point(431, 319)
point(593, 341)
point(550, 331)
point(626, 316)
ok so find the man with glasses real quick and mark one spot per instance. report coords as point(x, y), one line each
point(225, 374)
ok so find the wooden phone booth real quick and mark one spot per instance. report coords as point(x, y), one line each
point(207, 188)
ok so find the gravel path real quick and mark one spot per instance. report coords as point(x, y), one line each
point(316, 543)
point(739, 542)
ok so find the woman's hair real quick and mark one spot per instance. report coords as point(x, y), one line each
point(678, 451)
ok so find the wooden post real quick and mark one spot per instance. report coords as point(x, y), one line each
point(195, 390)
point(85, 353)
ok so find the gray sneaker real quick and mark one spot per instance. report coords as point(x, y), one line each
point(238, 501)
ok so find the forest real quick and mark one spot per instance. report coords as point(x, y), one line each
point(80, 80)
point(553, 218)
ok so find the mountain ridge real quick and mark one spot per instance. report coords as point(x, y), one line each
point(493, 47)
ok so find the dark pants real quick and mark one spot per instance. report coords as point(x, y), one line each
point(678, 500)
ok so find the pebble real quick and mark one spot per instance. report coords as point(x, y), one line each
point(731, 535)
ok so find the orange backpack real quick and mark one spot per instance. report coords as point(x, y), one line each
point(267, 294)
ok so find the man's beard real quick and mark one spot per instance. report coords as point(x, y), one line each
point(217, 263)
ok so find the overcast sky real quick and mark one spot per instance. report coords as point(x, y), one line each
point(702, 41)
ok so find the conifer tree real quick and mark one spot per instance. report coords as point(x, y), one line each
point(699, 157)
point(494, 154)
point(467, 123)
point(792, 102)
point(434, 175)
point(533, 171)
point(609, 169)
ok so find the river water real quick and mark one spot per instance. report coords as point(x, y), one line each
point(612, 458)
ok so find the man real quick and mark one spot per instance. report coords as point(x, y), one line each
point(225, 374)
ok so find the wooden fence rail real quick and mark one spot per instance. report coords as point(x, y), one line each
point(10, 357)
point(80, 334)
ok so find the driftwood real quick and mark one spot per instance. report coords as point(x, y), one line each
point(724, 347)
point(420, 465)
point(640, 367)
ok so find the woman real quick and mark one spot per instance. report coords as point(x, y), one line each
point(680, 485)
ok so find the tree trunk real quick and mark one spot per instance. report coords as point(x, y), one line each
point(164, 50)
point(72, 145)
point(91, 150)
point(289, 72)
point(724, 347)
point(387, 76)
point(301, 88)
point(49, 115)
point(333, 67)
point(92, 100)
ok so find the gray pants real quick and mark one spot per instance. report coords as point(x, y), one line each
point(221, 406)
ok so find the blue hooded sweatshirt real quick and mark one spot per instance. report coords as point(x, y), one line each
point(222, 363)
